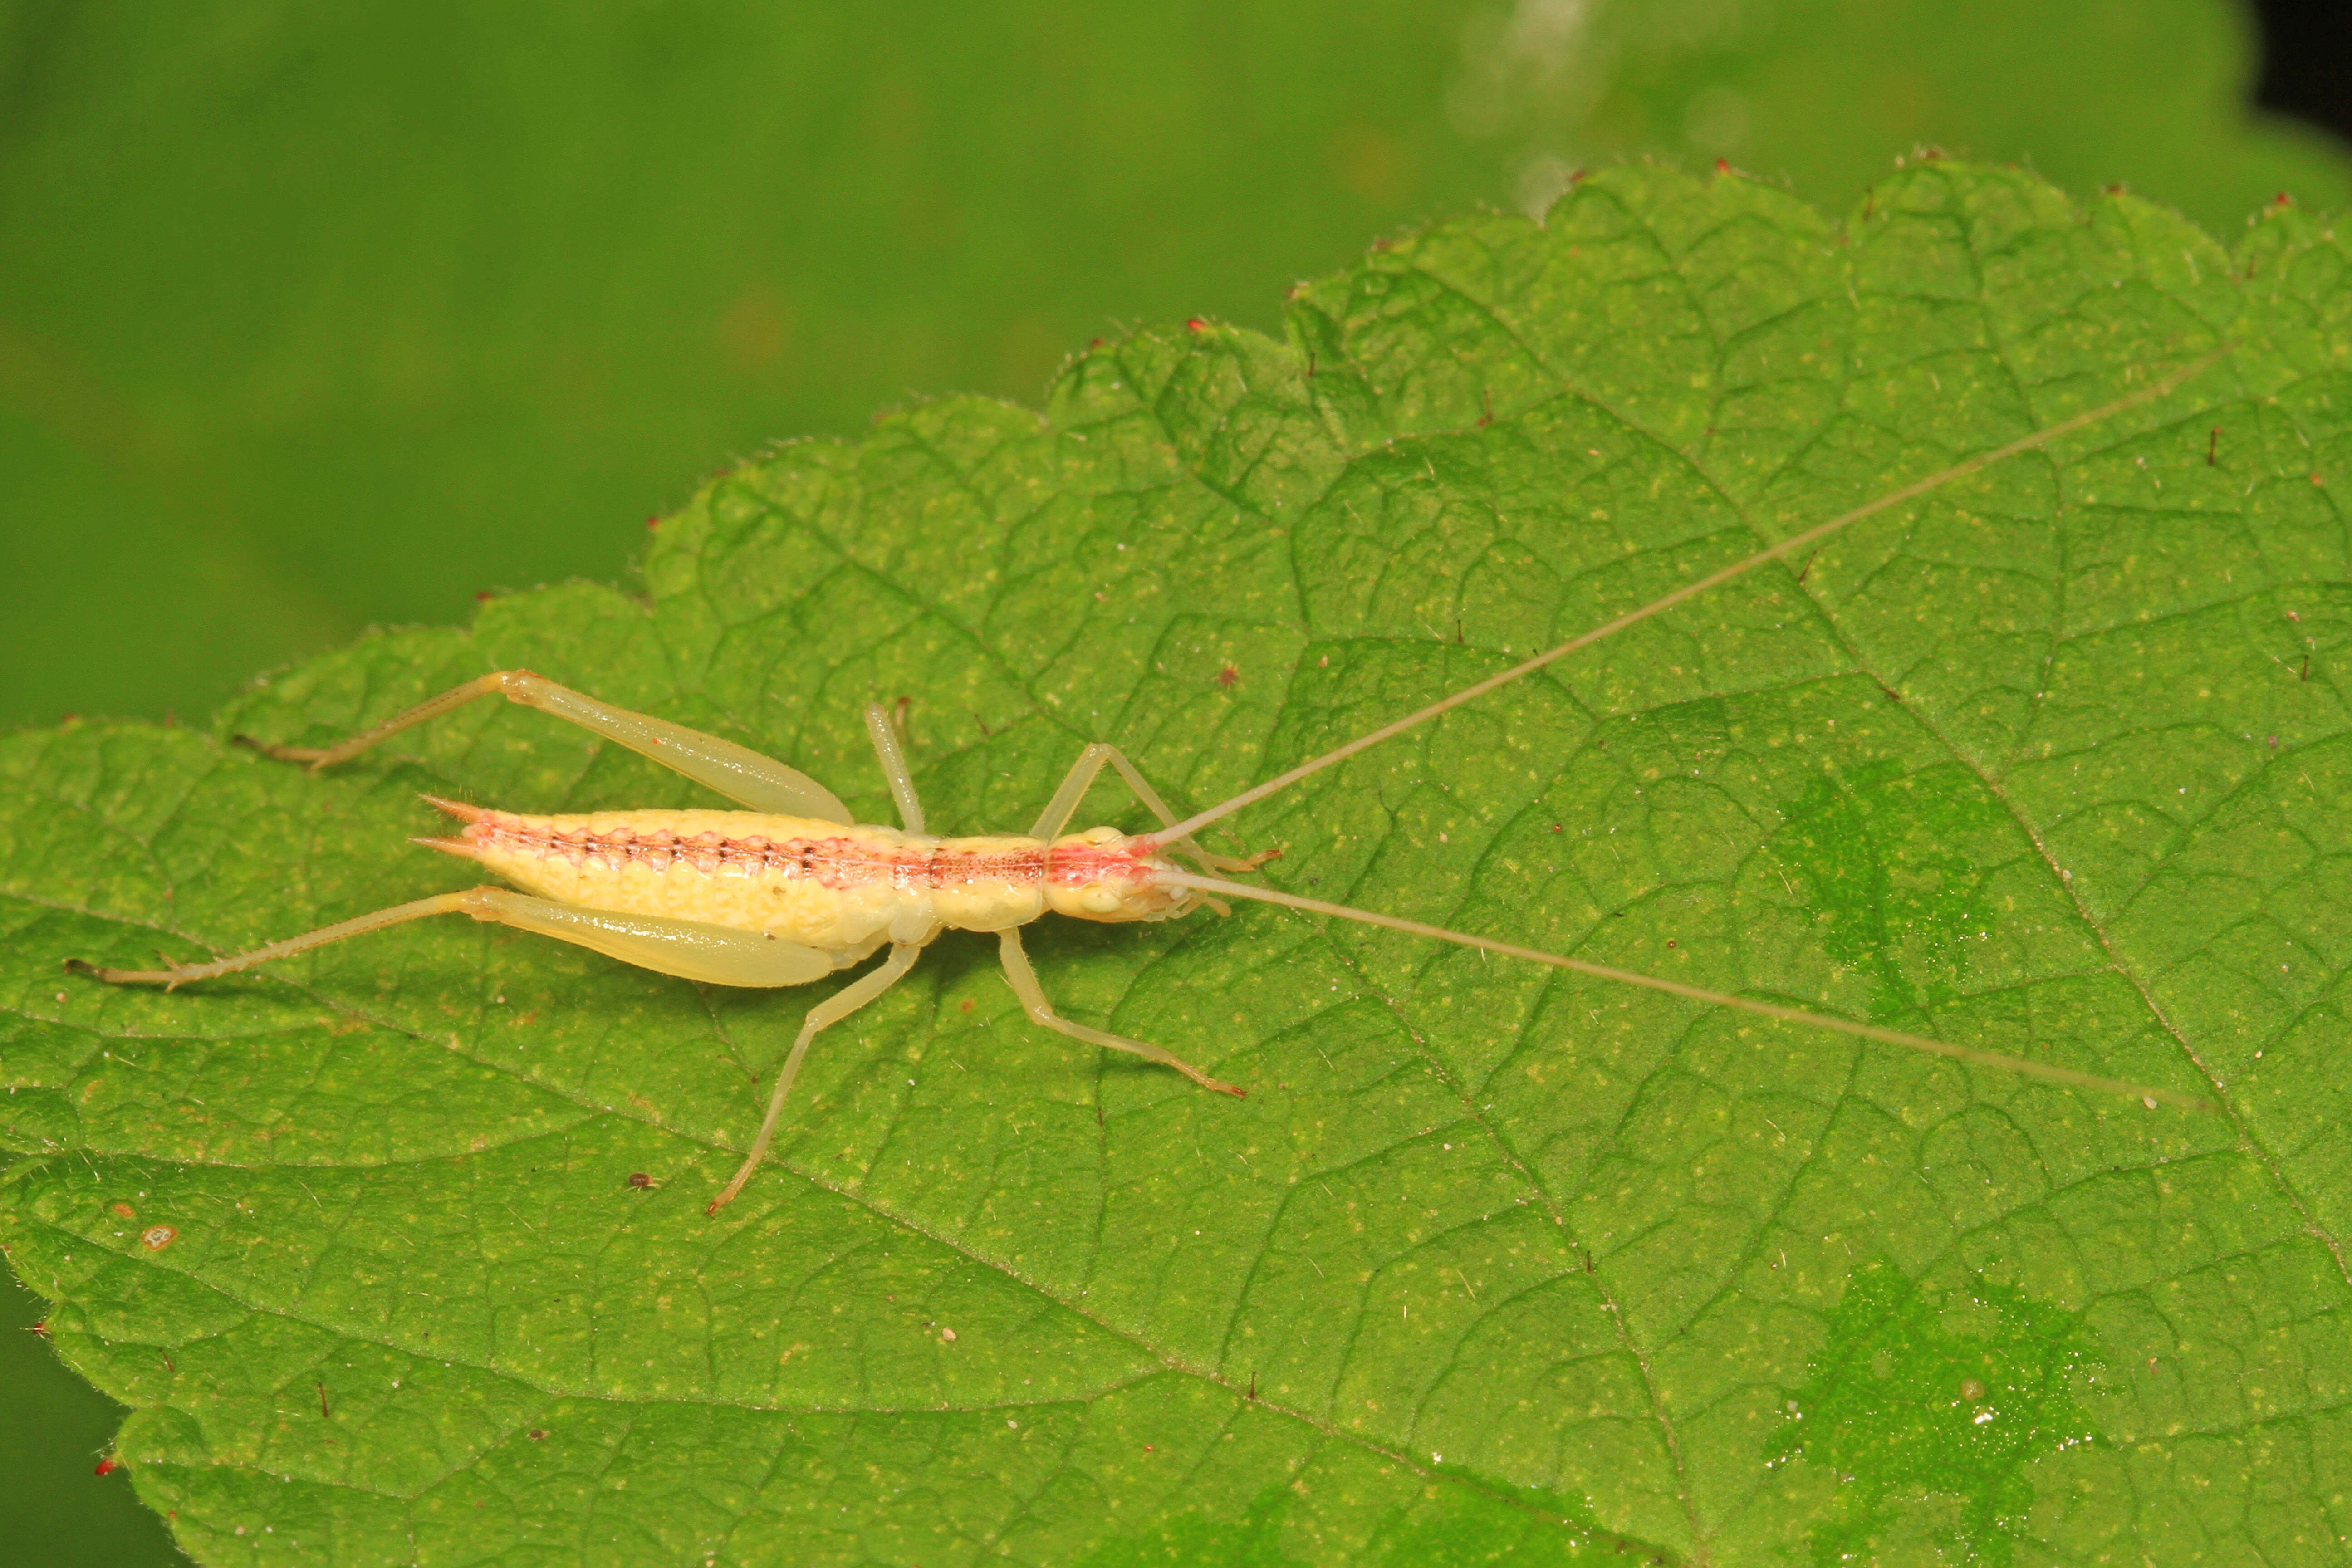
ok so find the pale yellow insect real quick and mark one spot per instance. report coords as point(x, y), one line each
point(790, 890)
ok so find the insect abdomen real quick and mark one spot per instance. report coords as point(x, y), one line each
point(819, 884)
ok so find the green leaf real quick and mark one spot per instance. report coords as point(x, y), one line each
point(1491, 1261)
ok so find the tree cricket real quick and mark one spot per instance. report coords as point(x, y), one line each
point(788, 890)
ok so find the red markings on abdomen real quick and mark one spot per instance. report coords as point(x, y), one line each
point(837, 864)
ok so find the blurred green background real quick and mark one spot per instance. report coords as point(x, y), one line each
point(312, 318)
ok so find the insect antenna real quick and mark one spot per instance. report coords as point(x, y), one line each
point(2146, 1094)
point(1218, 886)
point(1795, 542)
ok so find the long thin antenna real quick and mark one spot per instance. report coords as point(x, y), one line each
point(1256, 793)
point(2145, 1094)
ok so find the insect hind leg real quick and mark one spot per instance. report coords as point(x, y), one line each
point(1023, 981)
point(472, 901)
point(737, 771)
point(692, 950)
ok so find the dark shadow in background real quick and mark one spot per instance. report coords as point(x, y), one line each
point(2307, 61)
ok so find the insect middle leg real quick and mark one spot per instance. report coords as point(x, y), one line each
point(739, 772)
point(894, 767)
point(1023, 981)
point(832, 1010)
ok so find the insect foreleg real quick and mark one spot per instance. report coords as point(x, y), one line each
point(1023, 981)
point(1081, 778)
point(832, 1010)
point(739, 772)
point(894, 767)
